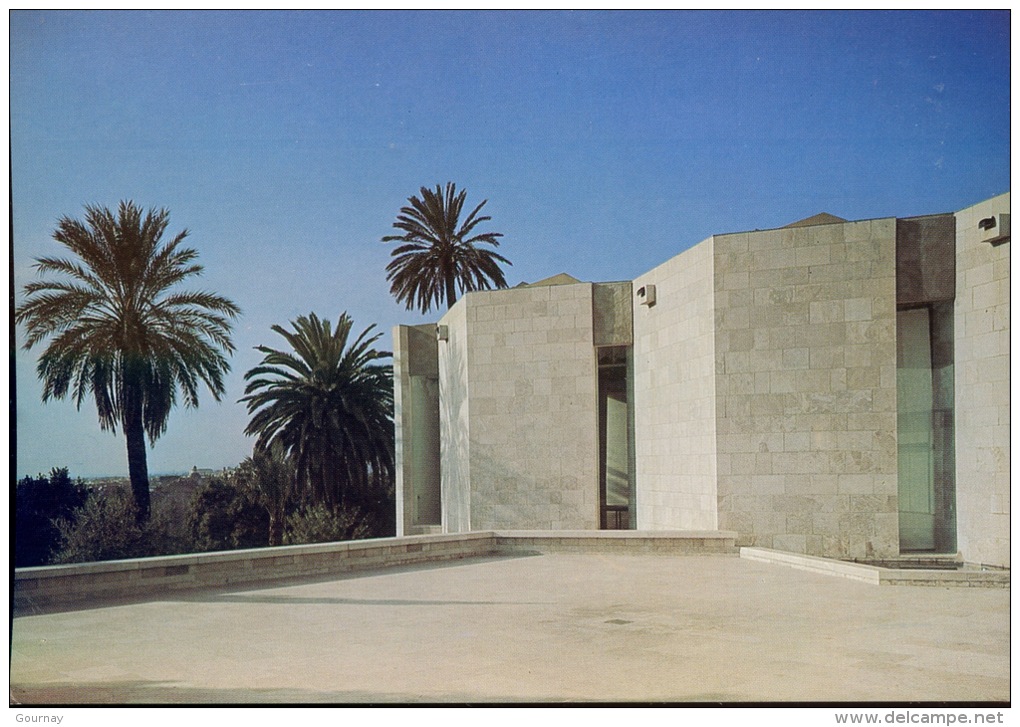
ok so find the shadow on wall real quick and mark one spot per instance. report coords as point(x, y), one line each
point(454, 449)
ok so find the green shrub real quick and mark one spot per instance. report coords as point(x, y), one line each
point(38, 502)
point(104, 528)
point(166, 533)
point(319, 524)
point(220, 516)
point(223, 517)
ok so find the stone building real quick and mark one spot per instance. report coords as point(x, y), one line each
point(833, 387)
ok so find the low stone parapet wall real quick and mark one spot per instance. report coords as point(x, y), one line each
point(66, 587)
point(634, 542)
point(60, 587)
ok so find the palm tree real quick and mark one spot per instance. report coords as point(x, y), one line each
point(269, 477)
point(440, 254)
point(329, 405)
point(120, 331)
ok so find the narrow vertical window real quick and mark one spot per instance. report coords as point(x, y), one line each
point(925, 434)
point(616, 445)
point(424, 450)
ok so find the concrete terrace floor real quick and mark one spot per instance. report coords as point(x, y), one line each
point(544, 628)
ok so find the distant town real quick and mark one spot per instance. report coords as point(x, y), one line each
point(163, 478)
point(175, 488)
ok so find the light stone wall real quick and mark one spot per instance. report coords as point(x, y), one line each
point(454, 422)
point(982, 388)
point(674, 395)
point(529, 458)
point(414, 353)
point(533, 409)
point(806, 389)
point(401, 422)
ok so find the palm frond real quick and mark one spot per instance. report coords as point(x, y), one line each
point(437, 256)
point(114, 302)
point(327, 404)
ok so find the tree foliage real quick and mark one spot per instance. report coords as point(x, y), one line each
point(269, 478)
point(106, 527)
point(222, 516)
point(439, 253)
point(328, 404)
point(39, 501)
point(320, 524)
point(120, 331)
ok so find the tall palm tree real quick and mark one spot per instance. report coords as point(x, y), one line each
point(329, 405)
point(121, 332)
point(440, 254)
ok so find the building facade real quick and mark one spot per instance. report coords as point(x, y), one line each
point(835, 388)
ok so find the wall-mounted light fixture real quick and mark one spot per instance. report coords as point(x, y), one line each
point(646, 295)
point(995, 229)
point(443, 333)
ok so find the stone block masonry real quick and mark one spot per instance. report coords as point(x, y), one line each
point(805, 356)
point(526, 358)
point(675, 393)
point(982, 332)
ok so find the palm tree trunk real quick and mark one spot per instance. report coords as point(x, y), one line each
point(451, 292)
point(275, 527)
point(138, 469)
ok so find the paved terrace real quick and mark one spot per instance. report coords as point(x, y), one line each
point(558, 626)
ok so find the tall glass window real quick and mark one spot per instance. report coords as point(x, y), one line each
point(925, 432)
point(616, 439)
point(424, 450)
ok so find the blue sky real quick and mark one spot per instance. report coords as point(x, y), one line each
point(605, 143)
